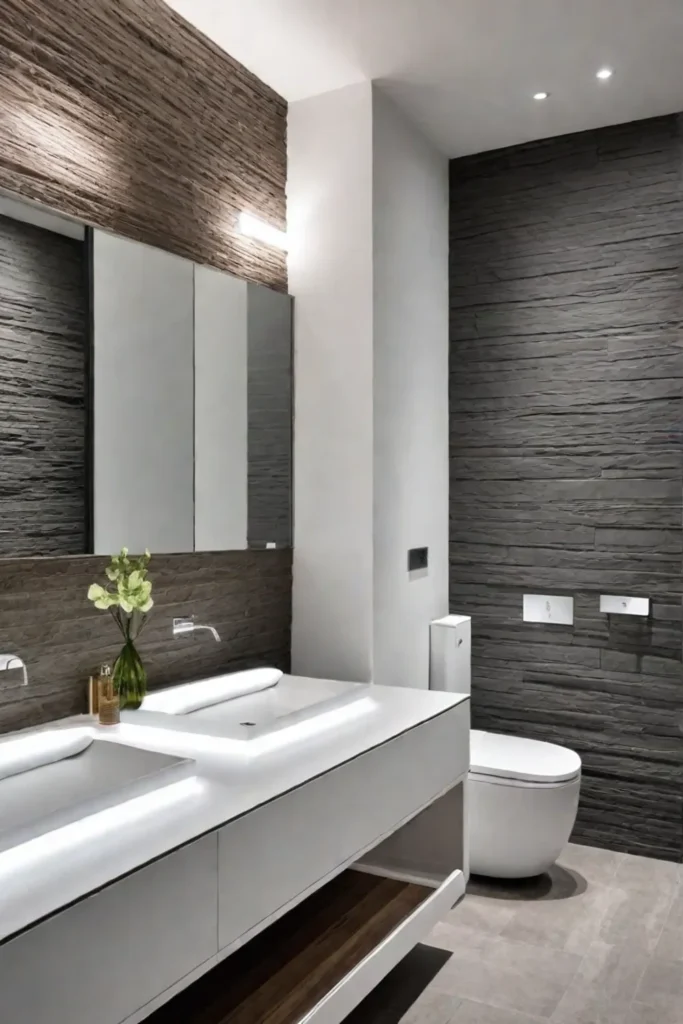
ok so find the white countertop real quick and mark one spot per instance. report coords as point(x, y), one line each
point(231, 778)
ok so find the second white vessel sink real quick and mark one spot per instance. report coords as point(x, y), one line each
point(279, 705)
point(53, 777)
point(257, 705)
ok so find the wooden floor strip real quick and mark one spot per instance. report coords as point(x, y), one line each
point(284, 972)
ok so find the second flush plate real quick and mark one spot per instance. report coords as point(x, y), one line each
point(611, 604)
point(549, 608)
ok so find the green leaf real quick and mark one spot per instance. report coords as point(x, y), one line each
point(95, 592)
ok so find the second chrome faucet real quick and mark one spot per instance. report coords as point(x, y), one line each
point(183, 626)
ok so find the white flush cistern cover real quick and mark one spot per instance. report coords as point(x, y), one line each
point(511, 757)
point(182, 700)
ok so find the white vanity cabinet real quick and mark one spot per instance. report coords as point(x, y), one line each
point(362, 862)
point(101, 960)
point(291, 846)
point(307, 899)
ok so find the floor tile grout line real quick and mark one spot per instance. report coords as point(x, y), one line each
point(492, 1006)
point(611, 925)
point(574, 976)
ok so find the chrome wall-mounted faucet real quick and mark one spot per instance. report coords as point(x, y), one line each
point(8, 662)
point(181, 627)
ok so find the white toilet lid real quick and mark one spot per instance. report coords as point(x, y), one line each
point(511, 757)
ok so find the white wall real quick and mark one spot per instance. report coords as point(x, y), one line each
point(329, 219)
point(368, 267)
point(410, 238)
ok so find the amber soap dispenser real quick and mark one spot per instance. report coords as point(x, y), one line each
point(103, 700)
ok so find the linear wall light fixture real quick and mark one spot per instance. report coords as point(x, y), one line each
point(262, 232)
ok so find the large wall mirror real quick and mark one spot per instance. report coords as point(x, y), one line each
point(145, 400)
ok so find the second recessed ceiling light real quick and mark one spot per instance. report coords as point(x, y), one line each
point(603, 74)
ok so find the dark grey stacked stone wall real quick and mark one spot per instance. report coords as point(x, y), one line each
point(121, 114)
point(566, 425)
point(45, 617)
point(43, 381)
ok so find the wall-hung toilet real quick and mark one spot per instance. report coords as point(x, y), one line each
point(522, 794)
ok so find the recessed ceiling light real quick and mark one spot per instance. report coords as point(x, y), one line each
point(541, 95)
point(604, 73)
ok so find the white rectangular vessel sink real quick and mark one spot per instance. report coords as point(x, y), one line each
point(53, 777)
point(246, 706)
point(278, 706)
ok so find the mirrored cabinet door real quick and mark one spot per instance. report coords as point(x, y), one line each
point(221, 455)
point(143, 387)
point(243, 417)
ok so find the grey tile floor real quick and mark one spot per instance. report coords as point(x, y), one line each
point(598, 941)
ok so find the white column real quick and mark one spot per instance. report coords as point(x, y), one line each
point(368, 228)
point(410, 267)
point(329, 215)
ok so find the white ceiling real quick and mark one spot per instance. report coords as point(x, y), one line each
point(466, 70)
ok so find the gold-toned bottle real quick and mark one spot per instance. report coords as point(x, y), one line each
point(107, 698)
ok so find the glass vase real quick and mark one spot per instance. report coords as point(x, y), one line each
point(130, 676)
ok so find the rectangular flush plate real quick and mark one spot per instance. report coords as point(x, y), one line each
point(610, 604)
point(418, 558)
point(548, 608)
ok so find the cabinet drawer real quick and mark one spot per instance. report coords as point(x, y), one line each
point(317, 963)
point(280, 851)
point(104, 958)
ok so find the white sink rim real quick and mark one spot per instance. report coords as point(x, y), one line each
point(202, 693)
point(25, 751)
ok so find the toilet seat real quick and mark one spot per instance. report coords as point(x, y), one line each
point(510, 760)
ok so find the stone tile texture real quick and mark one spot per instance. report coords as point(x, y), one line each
point(566, 428)
point(126, 117)
point(554, 949)
point(45, 617)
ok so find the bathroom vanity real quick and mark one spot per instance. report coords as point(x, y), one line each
point(298, 858)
